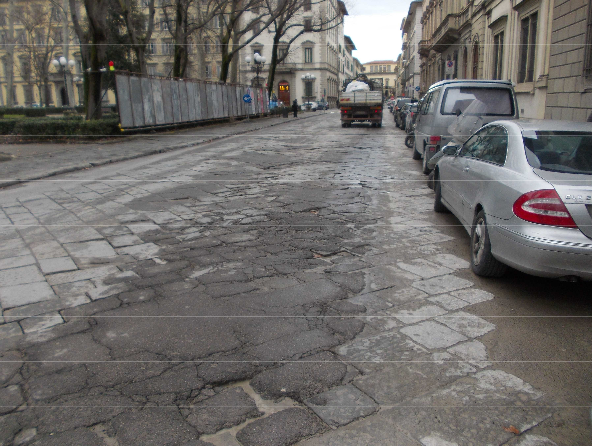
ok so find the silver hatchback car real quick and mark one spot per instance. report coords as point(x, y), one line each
point(523, 191)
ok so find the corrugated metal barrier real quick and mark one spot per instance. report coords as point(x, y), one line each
point(150, 101)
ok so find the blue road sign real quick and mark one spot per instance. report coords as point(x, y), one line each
point(417, 88)
point(247, 99)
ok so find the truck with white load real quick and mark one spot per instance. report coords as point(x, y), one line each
point(361, 101)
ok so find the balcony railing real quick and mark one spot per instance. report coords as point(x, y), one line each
point(424, 48)
point(446, 34)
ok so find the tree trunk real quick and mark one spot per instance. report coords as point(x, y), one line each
point(273, 63)
point(225, 66)
point(94, 86)
point(10, 57)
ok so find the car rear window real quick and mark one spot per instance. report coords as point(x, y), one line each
point(557, 151)
point(478, 101)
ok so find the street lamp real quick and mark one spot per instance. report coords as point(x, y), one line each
point(61, 64)
point(259, 61)
point(308, 78)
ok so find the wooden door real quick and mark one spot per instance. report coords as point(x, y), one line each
point(284, 93)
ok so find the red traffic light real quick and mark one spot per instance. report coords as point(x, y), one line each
point(111, 63)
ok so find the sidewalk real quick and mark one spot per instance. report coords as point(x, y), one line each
point(34, 161)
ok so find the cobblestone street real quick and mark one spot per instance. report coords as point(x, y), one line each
point(286, 285)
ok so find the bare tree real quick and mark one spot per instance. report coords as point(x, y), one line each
point(285, 24)
point(9, 38)
point(184, 18)
point(39, 42)
point(233, 29)
point(136, 23)
point(93, 37)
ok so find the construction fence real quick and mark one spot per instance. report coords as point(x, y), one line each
point(148, 101)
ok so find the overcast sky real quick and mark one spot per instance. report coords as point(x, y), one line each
point(375, 28)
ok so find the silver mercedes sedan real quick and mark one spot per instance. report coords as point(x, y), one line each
point(523, 191)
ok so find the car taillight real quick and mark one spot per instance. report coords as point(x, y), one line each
point(435, 139)
point(543, 207)
point(377, 111)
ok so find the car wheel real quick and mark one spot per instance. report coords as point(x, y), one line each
point(416, 155)
point(482, 261)
point(425, 169)
point(438, 205)
point(379, 125)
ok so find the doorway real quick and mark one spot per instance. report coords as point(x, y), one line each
point(64, 97)
point(284, 92)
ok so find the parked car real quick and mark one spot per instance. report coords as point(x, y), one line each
point(523, 191)
point(323, 106)
point(309, 106)
point(464, 105)
point(398, 107)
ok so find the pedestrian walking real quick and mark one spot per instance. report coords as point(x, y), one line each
point(295, 107)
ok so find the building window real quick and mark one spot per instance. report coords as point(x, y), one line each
point(208, 71)
point(307, 5)
point(151, 70)
point(218, 69)
point(282, 54)
point(588, 46)
point(308, 89)
point(307, 55)
point(307, 24)
point(151, 48)
point(528, 30)
point(207, 47)
point(218, 45)
point(167, 47)
point(498, 55)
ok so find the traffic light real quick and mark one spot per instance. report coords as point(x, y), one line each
point(111, 66)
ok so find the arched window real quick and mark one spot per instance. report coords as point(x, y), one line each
point(465, 63)
point(475, 59)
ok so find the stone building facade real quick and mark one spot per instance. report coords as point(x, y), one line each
point(315, 53)
point(542, 46)
point(569, 91)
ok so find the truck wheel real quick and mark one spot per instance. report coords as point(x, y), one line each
point(416, 154)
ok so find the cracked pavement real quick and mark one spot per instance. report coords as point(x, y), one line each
point(290, 285)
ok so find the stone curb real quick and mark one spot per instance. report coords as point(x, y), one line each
point(88, 165)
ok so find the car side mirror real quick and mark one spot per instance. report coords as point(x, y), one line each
point(450, 150)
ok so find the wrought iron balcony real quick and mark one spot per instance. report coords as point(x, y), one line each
point(446, 34)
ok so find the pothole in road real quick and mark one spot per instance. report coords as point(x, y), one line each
point(227, 437)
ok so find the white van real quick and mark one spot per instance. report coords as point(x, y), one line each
point(464, 104)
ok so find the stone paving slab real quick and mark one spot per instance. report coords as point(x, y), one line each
point(342, 405)
point(18, 295)
point(15, 262)
point(433, 335)
point(442, 284)
point(467, 324)
point(85, 274)
point(474, 410)
point(42, 322)
point(20, 276)
point(58, 265)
